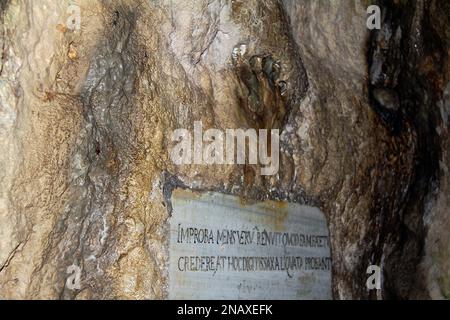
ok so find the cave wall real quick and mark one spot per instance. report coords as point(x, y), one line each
point(86, 118)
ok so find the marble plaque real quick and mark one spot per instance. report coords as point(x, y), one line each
point(221, 248)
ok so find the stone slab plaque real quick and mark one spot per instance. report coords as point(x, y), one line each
point(222, 249)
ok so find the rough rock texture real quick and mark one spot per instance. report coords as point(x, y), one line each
point(86, 118)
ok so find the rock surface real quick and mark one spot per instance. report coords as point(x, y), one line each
point(86, 118)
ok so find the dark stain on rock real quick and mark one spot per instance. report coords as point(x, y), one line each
point(170, 182)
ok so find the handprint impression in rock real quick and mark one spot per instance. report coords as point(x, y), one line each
point(261, 90)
